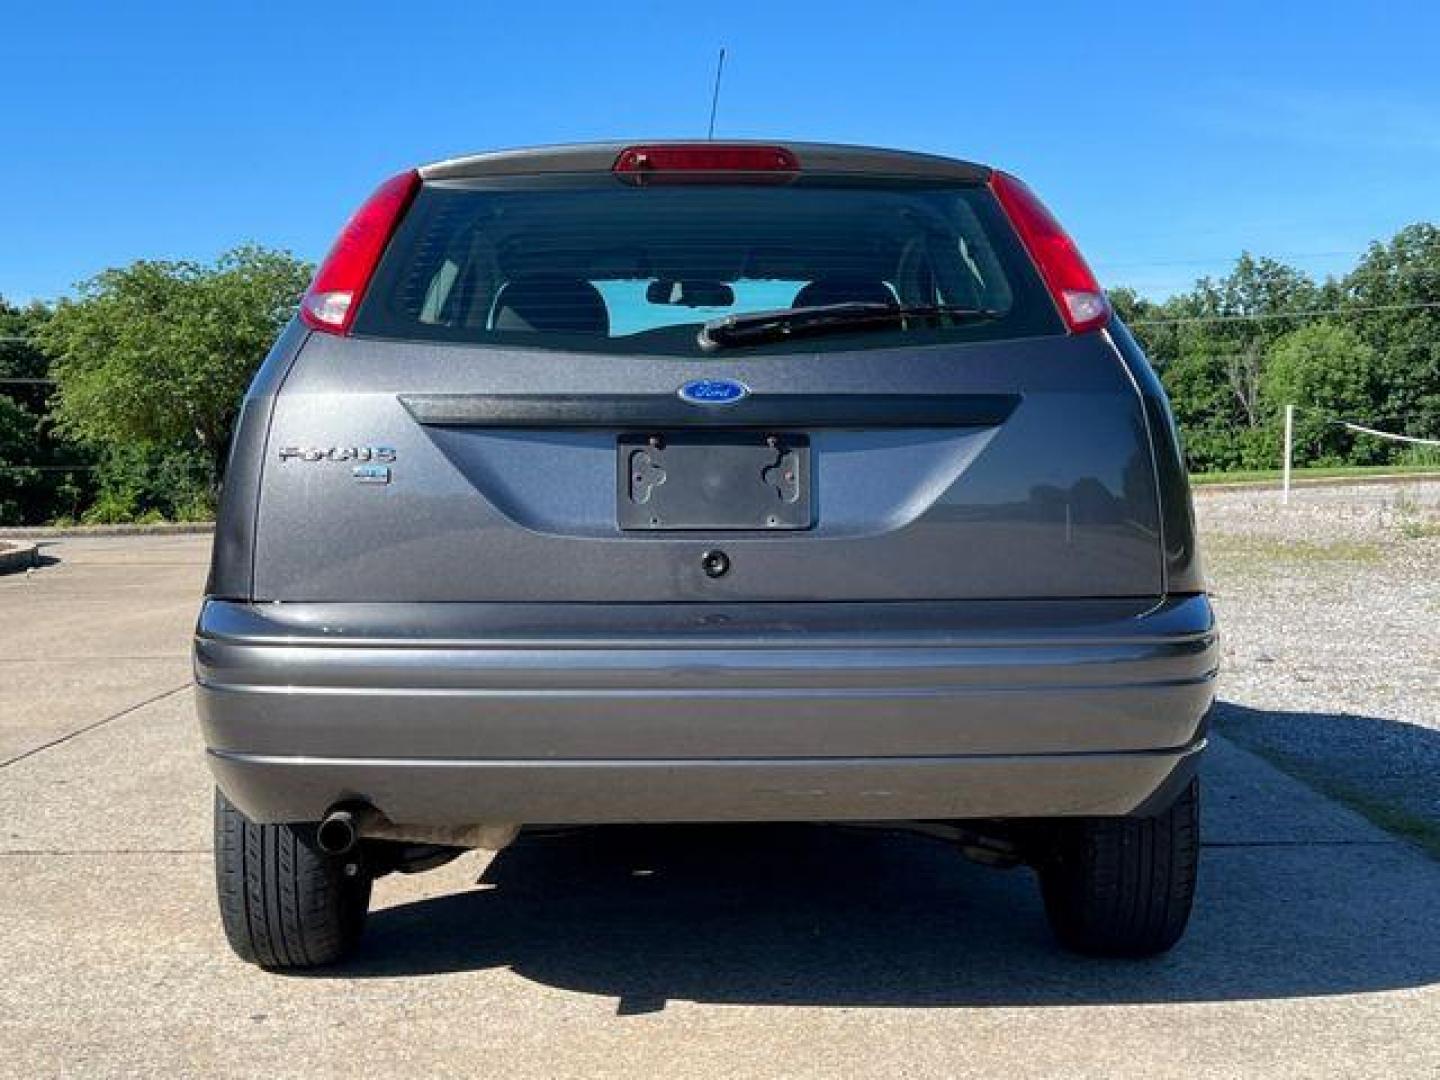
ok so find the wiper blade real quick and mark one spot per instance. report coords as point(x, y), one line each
point(786, 323)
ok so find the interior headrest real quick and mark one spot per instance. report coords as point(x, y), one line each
point(839, 290)
point(551, 302)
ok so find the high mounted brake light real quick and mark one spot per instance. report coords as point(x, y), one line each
point(706, 157)
point(1072, 286)
point(334, 296)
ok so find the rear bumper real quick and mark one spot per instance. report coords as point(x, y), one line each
point(449, 714)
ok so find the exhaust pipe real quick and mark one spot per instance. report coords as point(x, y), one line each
point(339, 831)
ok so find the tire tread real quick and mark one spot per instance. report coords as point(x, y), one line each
point(282, 903)
point(1124, 886)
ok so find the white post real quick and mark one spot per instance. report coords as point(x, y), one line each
point(1289, 447)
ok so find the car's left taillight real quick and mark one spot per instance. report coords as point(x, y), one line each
point(334, 295)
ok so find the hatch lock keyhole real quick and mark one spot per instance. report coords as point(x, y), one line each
point(715, 563)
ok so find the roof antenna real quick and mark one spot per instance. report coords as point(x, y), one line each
point(715, 95)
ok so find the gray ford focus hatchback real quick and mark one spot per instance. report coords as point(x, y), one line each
point(703, 482)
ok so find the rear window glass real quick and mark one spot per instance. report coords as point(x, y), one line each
point(596, 264)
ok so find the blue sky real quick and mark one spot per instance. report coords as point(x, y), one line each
point(1166, 136)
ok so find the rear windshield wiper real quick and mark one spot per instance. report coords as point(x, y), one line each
point(786, 323)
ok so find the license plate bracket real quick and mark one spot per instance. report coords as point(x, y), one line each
point(713, 480)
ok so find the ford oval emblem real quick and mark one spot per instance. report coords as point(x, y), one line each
point(713, 392)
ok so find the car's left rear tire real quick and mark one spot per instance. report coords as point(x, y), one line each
point(284, 903)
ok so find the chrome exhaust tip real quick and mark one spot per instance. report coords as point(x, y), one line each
point(338, 833)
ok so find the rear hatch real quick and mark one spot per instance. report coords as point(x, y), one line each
point(554, 386)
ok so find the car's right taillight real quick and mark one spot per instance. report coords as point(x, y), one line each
point(1073, 287)
point(334, 296)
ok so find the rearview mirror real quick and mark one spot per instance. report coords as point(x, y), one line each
point(690, 293)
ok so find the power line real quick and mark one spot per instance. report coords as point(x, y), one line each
point(1212, 260)
point(1408, 352)
point(1192, 320)
point(1413, 273)
point(48, 468)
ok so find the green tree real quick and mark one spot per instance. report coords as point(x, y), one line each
point(1394, 292)
point(1210, 344)
point(17, 441)
point(42, 474)
point(1246, 309)
point(1328, 372)
point(160, 353)
point(1376, 359)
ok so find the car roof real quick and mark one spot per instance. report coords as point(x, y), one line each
point(600, 157)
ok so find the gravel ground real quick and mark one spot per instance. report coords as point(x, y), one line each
point(1330, 614)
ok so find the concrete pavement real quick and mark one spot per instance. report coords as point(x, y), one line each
point(796, 951)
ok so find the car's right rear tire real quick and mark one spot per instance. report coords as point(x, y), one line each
point(1123, 886)
point(283, 902)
